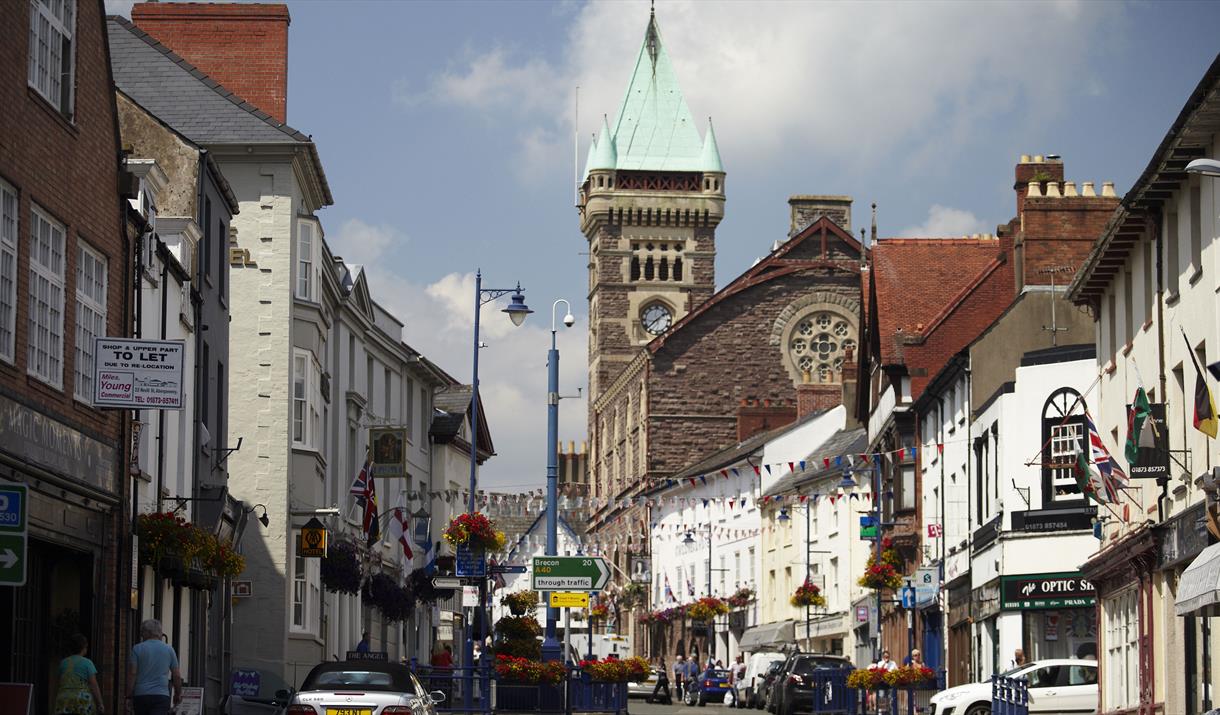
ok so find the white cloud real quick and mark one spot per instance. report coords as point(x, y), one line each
point(839, 81)
point(119, 7)
point(947, 221)
point(439, 319)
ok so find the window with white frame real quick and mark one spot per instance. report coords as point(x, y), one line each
point(306, 400)
point(1122, 649)
point(306, 594)
point(309, 253)
point(51, 51)
point(1063, 433)
point(46, 329)
point(90, 315)
point(8, 272)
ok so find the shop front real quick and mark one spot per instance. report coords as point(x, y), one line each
point(1056, 614)
point(957, 655)
point(1192, 568)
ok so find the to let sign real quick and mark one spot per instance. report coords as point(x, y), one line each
point(570, 573)
point(139, 374)
point(1045, 591)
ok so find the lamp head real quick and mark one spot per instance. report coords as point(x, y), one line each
point(783, 516)
point(264, 520)
point(517, 309)
point(847, 484)
point(1204, 167)
point(690, 539)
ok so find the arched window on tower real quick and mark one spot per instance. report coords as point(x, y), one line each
point(648, 269)
point(678, 268)
point(664, 274)
point(635, 268)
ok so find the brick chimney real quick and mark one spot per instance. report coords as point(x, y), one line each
point(815, 396)
point(243, 46)
point(754, 416)
point(1035, 169)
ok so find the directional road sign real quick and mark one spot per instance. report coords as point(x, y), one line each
point(569, 599)
point(908, 596)
point(506, 568)
point(446, 582)
point(570, 573)
point(13, 508)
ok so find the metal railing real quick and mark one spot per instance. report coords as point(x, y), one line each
point(578, 693)
point(1009, 696)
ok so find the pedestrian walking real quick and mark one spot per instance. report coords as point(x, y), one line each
point(660, 693)
point(150, 668)
point(75, 686)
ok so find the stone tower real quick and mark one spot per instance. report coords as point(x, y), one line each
point(650, 200)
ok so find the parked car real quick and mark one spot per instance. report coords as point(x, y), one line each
point(1064, 685)
point(764, 686)
point(365, 687)
point(643, 689)
point(750, 683)
point(710, 685)
point(792, 692)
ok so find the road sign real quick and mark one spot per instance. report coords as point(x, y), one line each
point(446, 583)
point(13, 508)
point(313, 540)
point(908, 596)
point(471, 563)
point(507, 568)
point(569, 599)
point(570, 573)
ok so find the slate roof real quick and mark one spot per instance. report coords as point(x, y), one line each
point(190, 101)
point(845, 441)
point(451, 404)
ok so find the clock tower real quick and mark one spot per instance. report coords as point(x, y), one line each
point(650, 200)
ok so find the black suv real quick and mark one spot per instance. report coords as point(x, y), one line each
point(794, 686)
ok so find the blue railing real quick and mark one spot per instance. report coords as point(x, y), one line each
point(1009, 696)
point(487, 693)
point(831, 696)
point(902, 701)
point(587, 696)
point(467, 689)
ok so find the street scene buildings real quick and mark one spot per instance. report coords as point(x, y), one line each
point(989, 454)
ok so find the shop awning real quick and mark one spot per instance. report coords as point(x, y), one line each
point(1199, 587)
point(770, 635)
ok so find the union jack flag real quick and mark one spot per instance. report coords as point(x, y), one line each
point(1104, 485)
point(364, 489)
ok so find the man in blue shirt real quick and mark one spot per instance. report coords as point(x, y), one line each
point(150, 667)
point(363, 646)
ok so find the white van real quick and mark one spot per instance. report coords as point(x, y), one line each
point(756, 665)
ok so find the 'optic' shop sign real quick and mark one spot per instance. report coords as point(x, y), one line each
point(1048, 590)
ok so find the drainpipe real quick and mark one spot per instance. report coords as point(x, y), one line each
point(1163, 482)
point(157, 596)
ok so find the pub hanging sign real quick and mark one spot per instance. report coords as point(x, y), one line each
point(1152, 444)
point(1046, 591)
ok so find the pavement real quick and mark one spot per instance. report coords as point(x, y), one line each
point(638, 706)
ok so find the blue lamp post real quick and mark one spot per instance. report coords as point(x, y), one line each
point(517, 311)
point(550, 644)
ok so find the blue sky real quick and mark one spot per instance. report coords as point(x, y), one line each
point(446, 131)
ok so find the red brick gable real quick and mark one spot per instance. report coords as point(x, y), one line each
point(933, 296)
point(822, 244)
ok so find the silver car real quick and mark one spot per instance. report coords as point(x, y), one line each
point(365, 687)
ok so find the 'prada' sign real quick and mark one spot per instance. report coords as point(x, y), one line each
point(1044, 591)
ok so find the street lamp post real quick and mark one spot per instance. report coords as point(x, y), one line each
point(550, 644)
point(711, 626)
point(517, 311)
point(783, 517)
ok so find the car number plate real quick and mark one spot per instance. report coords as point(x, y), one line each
point(349, 711)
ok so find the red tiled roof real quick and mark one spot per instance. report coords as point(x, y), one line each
point(935, 295)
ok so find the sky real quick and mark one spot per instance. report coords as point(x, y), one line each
point(446, 130)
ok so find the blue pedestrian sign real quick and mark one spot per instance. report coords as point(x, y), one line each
point(14, 503)
point(471, 563)
point(908, 596)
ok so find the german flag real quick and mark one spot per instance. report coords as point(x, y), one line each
point(1205, 407)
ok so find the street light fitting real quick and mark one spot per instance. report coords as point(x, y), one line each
point(1204, 167)
point(690, 538)
point(263, 518)
point(517, 309)
point(847, 483)
point(783, 517)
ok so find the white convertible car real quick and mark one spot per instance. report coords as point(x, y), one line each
point(1055, 686)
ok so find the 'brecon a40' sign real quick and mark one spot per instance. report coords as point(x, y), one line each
point(1043, 591)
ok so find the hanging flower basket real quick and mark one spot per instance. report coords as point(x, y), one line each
point(381, 591)
point(742, 597)
point(707, 608)
point(475, 531)
point(521, 602)
point(867, 678)
point(419, 584)
point(632, 595)
point(909, 676)
point(517, 636)
point(177, 548)
point(808, 595)
point(340, 568)
point(599, 612)
point(883, 573)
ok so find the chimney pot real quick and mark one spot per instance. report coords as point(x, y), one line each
point(1107, 189)
point(1086, 189)
point(1024, 159)
point(1052, 189)
point(1038, 159)
point(1034, 189)
point(1069, 188)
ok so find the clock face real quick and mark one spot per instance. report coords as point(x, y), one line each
point(656, 319)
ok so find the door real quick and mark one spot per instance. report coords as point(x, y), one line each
point(1044, 689)
point(1077, 691)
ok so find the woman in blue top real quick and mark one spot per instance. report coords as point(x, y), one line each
point(76, 690)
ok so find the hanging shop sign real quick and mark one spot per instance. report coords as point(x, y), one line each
point(312, 540)
point(1040, 520)
point(388, 451)
point(641, 569)
point(1183, 536)
point(1042, 591)
point(1152, 460)
point(139, 374)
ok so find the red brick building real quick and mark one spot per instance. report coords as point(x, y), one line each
point(64, 272)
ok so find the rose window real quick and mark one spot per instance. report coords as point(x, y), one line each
point(817, 343)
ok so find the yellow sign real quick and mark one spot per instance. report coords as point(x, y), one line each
point(569, 599)
point(312, 543)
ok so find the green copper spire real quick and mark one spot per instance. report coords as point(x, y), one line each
point(654, 130)
point(710, 159)
point(603, 154)
point(589, 156)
